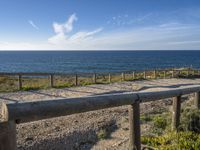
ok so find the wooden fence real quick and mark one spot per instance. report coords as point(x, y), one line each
point(139, 74)
point(15, 113)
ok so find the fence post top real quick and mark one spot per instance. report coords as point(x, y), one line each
point(4, 112)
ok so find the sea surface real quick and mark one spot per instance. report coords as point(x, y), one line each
point(95, 61)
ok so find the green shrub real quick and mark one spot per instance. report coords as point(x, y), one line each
point(160, 122)
point(173, 141)
point(64, 85)
point(190, 120)
point(146, 118)
point(26, 88)
point(85, 83)
point(102, 134)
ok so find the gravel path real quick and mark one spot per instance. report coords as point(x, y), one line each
point(80, 131)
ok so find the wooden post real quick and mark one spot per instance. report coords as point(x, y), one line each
point(134, 121)
point(155, 74)
point(51, 80)
point(95, 78)
point(8, 136)
point(173, 73)
point(193, 72)
point(197, 100)
point(177, 73)
point(76, 80)
point(144, 74)
point(133, 75)
point(123, 77)
point(20, 82)
point(109, 78)
point(176, 109)
point(164, 74)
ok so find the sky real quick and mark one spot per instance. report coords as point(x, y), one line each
point(100, 25)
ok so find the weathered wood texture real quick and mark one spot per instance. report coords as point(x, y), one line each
point(164, 74)
point(76, 80)
point(109, 78)
point(19, 82)
point(176, 111)
point(30, 111)
point(8, 136)
point(172, 73)
point(134, 121)
point(155, 74)
point(197, 100)
point(133, 75)
point(51, 80)
point(123, 76)
point(144, 74)
point(95, 78)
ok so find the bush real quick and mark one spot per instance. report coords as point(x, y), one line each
point(174, 141)
point(160, 122)
point(102, 134)
point(146, 118)
point(190, 120)
point(26, 88)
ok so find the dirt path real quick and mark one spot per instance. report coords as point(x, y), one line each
point(82, 131)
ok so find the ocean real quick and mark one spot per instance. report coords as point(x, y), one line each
point(95, 61)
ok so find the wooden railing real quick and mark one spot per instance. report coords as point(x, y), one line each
point(15, 113)
point(172, 73)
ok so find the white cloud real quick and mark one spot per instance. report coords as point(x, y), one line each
point(59, 38)
point(168, 36)
point(62, 30)
point(84, 35)
point(65, 27)
point(184, 42)
point(127, 20)
point(33, 24)
point(142, 18)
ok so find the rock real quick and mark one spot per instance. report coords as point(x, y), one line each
point(57, 129)
point(29, 139)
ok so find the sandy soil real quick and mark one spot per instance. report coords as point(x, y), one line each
point(81, 131)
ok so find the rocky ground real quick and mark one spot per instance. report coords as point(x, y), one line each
point(97, 130)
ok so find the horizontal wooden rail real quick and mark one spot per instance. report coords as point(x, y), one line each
point(31, 111)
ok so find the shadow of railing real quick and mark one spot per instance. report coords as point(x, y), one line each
point(75, 140)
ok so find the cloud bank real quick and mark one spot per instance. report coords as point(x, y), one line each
point(168, 35)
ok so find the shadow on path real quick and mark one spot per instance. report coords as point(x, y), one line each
point(9, 99)
point(76, 140)
point(46, 94)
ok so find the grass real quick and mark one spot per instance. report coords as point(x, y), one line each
point(102, 134)
point(174, 141)
point(10, 83)
point(161, 137)
point(144, 118)
point(160, 122)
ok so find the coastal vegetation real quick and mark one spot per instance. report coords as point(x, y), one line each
point(155, 121)
point(160, 136)
point(10, 83)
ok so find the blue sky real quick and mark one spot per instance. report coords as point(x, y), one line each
point(99, 24)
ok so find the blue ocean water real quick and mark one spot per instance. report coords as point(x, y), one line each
point(95, 61)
